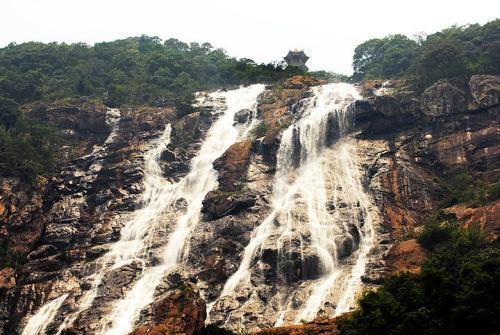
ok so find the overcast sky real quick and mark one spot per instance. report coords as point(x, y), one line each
point(263, 30)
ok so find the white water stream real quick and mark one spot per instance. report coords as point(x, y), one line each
point(159, 196)
point(193, 188)
point(311, 175)
point(39, 322)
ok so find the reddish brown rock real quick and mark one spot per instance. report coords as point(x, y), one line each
point(230, 197)
point(406, 198)
point(461, 149)
point(233, 165)
point(487, 218)
point(319, 326)
point(7, 278)
point(181, 311)
point(406, 256)
point(300, 82)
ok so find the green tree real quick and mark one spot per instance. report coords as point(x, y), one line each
point(383, 58)
point(455, 293)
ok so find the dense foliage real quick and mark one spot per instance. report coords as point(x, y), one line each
point(459, 51)
point(9, 258)
point(462, 187)
point(138, 70)
point(25, 145)
point(384, 57)
point(455, 293)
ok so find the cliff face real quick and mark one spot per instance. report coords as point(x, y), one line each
point(67, 221)
point(447, 131)
point(411, 147)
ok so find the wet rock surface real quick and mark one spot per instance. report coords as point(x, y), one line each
point(73, 216)
point(407, 141)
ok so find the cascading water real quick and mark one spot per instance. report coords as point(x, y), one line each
point(44, 317)
point(193, 188)
point(134, 236)
point(356, 219)
point(319, 207)
point(318, 199)
point(39, 322)
point(159, 196)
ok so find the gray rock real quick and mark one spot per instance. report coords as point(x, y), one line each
point(485, 89)
point(443, 98)
point(242, 116)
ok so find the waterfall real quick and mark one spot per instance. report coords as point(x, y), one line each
point(45, 316)
point(159, 196)
point(348, 192)
point(136, 232)
point(201, 179)
point(39, 322)
point(311, 178)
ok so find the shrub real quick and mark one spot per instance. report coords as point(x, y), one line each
point(261, 130)
point(455, 293)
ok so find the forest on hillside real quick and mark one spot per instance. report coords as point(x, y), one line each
point(148, 71)
point(455, 52)
point(135, 71)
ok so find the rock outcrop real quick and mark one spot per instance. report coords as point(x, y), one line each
point(7, 279)
point(485, 90)
point(71, 218)
point(406, 256)
point(451, 128)
point(232, 195)
point(410, 144)
point(179, 311)
point(443, 98)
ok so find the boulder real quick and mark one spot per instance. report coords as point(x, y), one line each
point(179, 311)
point(406, 256)
point(485, 90)
point(301, 82)
point(443, 98)
point(233, 165)
point(189, 128)
point(243, 116)
point(218, 204)
point(403, 103)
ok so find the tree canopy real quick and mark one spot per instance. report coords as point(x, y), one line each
point(136, 70)
point(455, 52)
point(456, 293)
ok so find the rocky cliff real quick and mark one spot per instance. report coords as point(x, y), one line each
point(412, 147)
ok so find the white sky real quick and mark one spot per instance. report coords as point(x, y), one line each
point(263, 30)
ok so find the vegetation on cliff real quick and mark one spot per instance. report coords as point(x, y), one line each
point(455, 293)
point(25, 145)
point(455, 52)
